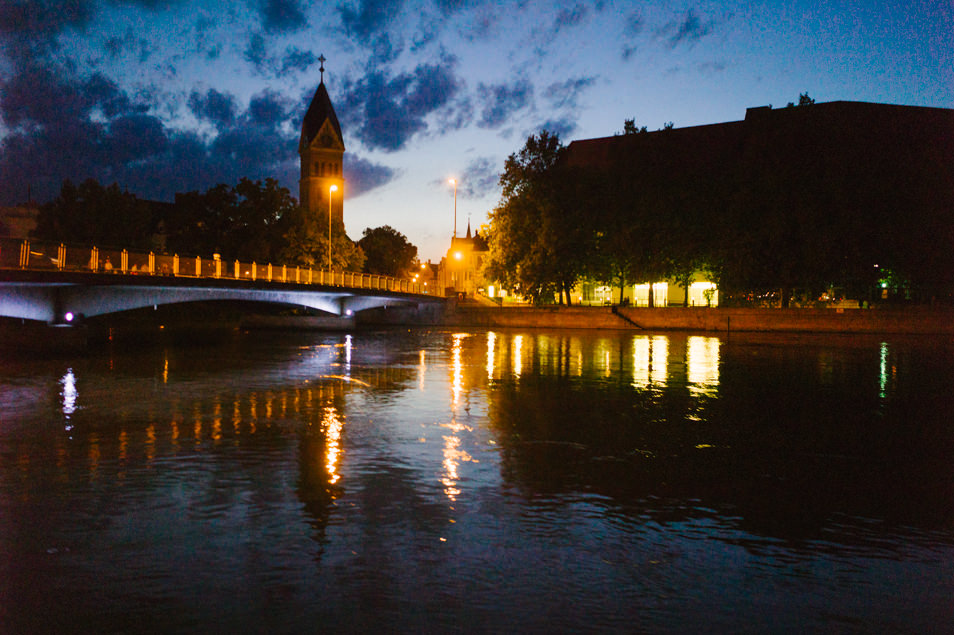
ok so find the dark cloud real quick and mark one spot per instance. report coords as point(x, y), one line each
point(449, 7)
point(118, 46)
point(298, 60)
point(62, 127)
point(384, 112)
point(363, 175)
point(566, 94)
point(480, 178)
point(132, 137)
point(689, 29)
point(255, 53)
point(219, 108)
point(634, 24)
point(501, 101)
point(632, 28)
point(154, 5)
point(268, 109)
point(282, 16)
point(38, 97)
point(38, 20)
point(383, 50)
point(368, 18)
point(293, 59)
point(562, 127)
point(569, 17)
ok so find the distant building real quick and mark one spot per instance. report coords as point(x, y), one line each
point(863, 178)
point(321, 149)
point(19, 221)
point(459, 271)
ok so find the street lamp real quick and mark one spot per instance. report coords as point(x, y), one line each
point(331, 190)
point(454, 183)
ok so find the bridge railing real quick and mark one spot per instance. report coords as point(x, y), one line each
point(42, 255)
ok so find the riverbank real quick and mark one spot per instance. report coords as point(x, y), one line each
point(908, 320)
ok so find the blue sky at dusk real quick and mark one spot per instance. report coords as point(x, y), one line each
point(166, 96)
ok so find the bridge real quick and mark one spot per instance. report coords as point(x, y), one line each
point(56, 284)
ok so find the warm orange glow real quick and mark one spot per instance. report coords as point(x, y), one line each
point(333, 188)
point(458, 255)
point(332, 425)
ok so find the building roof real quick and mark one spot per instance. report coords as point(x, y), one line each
point(831, 126)
point(319, 110)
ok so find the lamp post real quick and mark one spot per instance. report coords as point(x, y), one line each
point(454, 183)
point(331, 190)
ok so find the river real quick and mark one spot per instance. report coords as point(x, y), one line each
point(480, 481)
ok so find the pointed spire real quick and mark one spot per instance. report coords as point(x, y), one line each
point(319, 110)
point(468, 226)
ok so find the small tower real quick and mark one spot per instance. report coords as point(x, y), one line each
point(321, 148)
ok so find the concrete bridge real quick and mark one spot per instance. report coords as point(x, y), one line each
point(53, 284)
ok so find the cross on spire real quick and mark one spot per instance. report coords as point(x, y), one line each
point(321, 69)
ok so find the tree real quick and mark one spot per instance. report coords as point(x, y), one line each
point(803, 100)
point(95, 215)
point(629, 127)
point(306, 243)
point(538, 238)
point(247, 221)
point(387, 252)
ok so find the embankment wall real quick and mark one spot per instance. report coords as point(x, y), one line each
point(909, 320)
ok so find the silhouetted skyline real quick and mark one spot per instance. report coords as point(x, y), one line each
point(165, 97)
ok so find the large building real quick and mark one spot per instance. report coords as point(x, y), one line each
point(321, 149)
point(798, 197)
point(460, 270)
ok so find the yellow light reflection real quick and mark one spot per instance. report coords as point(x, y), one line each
point(517, 355)
point(150, 443)
point(331, 425)
point(491, 345)
point(702, 365)
point(453, 456)
point(236, 416)
point(650, 360)
point(641, 361)
point(421, 370)
point(457, 365)
point(659, 371)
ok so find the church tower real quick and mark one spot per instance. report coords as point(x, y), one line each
point(321, 148)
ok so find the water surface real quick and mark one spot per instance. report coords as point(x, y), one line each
point(480, 481)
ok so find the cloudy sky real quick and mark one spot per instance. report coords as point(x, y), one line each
point(166, 96)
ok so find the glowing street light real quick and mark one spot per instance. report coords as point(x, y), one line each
point(454, 183)
point(331, 190)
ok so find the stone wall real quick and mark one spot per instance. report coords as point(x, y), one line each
point(913, 320)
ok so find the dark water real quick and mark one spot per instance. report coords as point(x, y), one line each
point(481, 481)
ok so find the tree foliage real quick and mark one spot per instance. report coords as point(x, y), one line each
point(250, 221)
point(802, 202)
point(538, 240)
point(388, 252)
point(247, 221)
point(93, 214)
point(306, 242)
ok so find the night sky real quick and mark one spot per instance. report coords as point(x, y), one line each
point(166, 96)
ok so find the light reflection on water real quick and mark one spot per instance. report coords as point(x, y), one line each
point(490, 480)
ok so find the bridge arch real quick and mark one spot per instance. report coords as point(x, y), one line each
point(55, 299)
